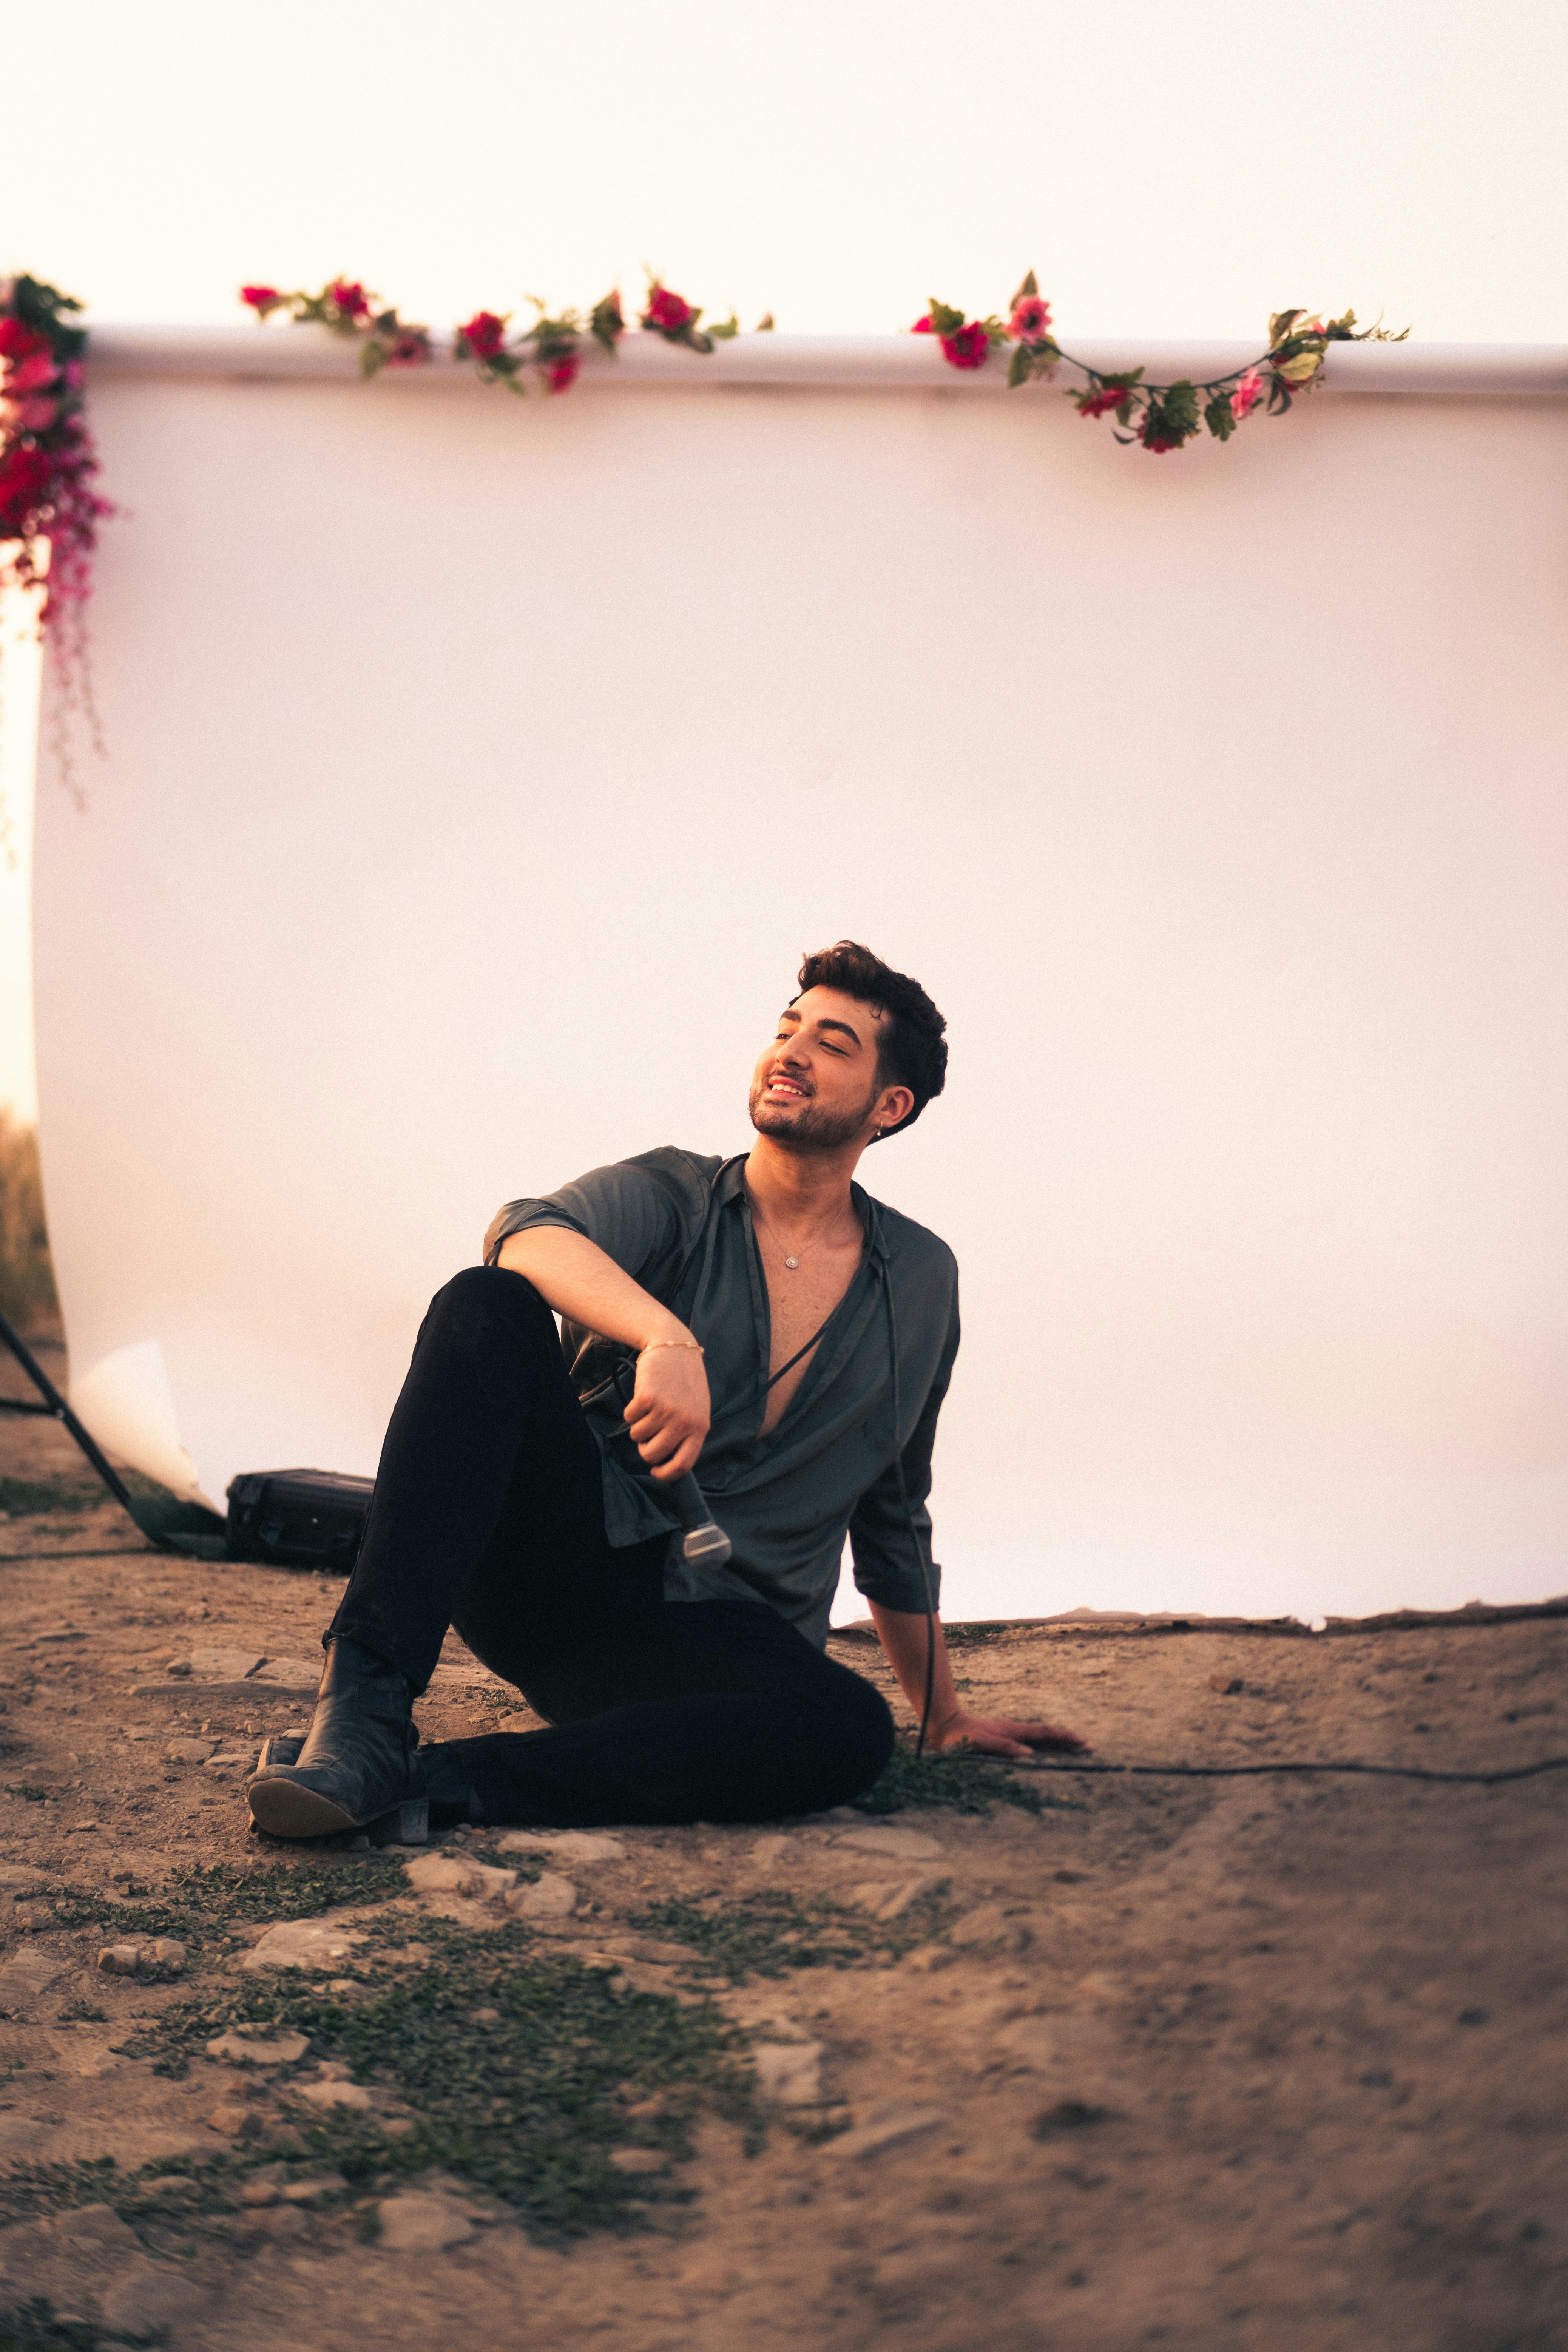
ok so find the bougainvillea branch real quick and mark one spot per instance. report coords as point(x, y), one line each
point(343, 304)
point(1158, 418)
point(550, 349)
point(50, 509)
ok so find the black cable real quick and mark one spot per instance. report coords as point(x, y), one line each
point(1248, 1771)
point(910, 1510)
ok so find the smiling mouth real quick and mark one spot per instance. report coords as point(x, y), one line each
point(787, 1088)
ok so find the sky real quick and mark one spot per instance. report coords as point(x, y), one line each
point(1165, 170)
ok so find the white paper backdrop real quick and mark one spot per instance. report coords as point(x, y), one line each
point(479, 770)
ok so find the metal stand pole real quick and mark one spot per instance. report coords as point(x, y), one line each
point(58, 1410)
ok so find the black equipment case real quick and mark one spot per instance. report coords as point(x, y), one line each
point(297, 1518)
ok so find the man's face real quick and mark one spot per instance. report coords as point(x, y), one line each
point(815, 1088)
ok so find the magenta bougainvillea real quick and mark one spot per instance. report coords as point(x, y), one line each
point(1160, 416)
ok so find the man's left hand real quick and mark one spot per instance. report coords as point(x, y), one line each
point(999, 1734)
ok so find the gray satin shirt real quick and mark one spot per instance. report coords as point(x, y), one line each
point(679, 1223)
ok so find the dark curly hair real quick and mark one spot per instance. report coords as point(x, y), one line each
point(911, 1050)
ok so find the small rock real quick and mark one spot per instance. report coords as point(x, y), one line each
point(315, 2191)
point(885, 1900)
point(153, 2302)
point(300, 1944)
point(789, 2074)
point(246, 2050)
point(336, 2095)
point(163, 1952)
point(120, 1960)
point(280, 2222)
point(223, 1665)
point(259, 2192)
point(450, 1874)
point(189, 1751)
point(570, 1845)
point(991, 1928)
point(98, 2226)
point(416, 2223)
point(234, 2122)
point(766, 1851)
point(21, 1877)
point(1227, 1686)
point(551, 1896)
point(899, 1845)
point(635, 2161)
point(884, 2127)
point(179, 1668)
point(173, 2189)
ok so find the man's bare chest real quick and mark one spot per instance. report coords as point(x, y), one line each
point(800, 1301)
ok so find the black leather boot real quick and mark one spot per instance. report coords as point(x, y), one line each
point(359, 1758)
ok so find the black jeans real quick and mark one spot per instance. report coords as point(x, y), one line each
point(488, 1515)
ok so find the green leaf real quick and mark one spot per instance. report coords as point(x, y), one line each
point(1030, 287)
point(1021, 370)
point(730, 328)
point(372, 355)
point(1280, 324)
point(1220, 418)
point(945, 318)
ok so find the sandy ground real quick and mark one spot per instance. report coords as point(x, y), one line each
point(1272, 2063)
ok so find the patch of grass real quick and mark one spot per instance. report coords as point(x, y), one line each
point(28, 1498)
point(526, 2101)
point(28, 2188)
point(769, 1933)
point(964, 1784)
point(200, 1899)
point(35, 2328)
point(82, 2012)
point(27, 1792)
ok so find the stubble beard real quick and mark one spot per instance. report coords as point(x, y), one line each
point(812, 1131)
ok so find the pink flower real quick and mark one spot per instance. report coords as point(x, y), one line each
point(348, 298)
point(25, 478)
point(1031, 321)
point(968, 348)
point(75, 374)
point(665, 313)
point(410, 347)
point(1248, 394)
point(39, 370)
point(35, 415)
point(922, 327)
point(260, 298)
point(563, 375)
point(485, 335)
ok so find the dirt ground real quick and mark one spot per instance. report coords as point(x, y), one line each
point(1275, 2062)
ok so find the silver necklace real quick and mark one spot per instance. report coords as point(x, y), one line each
point(758, 1218)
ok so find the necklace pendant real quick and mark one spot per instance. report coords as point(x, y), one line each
point(792, 1263)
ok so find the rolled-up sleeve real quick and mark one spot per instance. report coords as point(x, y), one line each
point(882, 1540)
point(626, 1210)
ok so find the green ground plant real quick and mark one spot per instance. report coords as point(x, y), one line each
point(769, 1933)
point(964, 1784)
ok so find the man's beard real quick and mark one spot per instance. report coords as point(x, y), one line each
point(813, 1130)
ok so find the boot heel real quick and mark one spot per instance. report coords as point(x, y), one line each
point(406, 1825)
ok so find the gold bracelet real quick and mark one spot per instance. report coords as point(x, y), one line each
point(671, 1343)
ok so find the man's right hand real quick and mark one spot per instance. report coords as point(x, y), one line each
point(669, 1411)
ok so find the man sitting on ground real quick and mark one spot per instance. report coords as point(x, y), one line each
point(794, 1340)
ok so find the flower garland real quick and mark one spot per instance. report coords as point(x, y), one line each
point(50, 510)
point(552, 348)
point(1162, 417)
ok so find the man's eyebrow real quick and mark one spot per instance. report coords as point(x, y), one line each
point(841, 1025)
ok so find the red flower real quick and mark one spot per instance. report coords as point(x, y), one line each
point(1030, 320)
point(17, 341)
point(410, 347)
point(31, 374)
point(1102, 403)
point(922, 327)
point(1158, 445)
point(485, 335)
point(348, 298)
point(24, 482)
point(968, 348)
point(260, 298)
point(665, 312)
point(564, 373)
